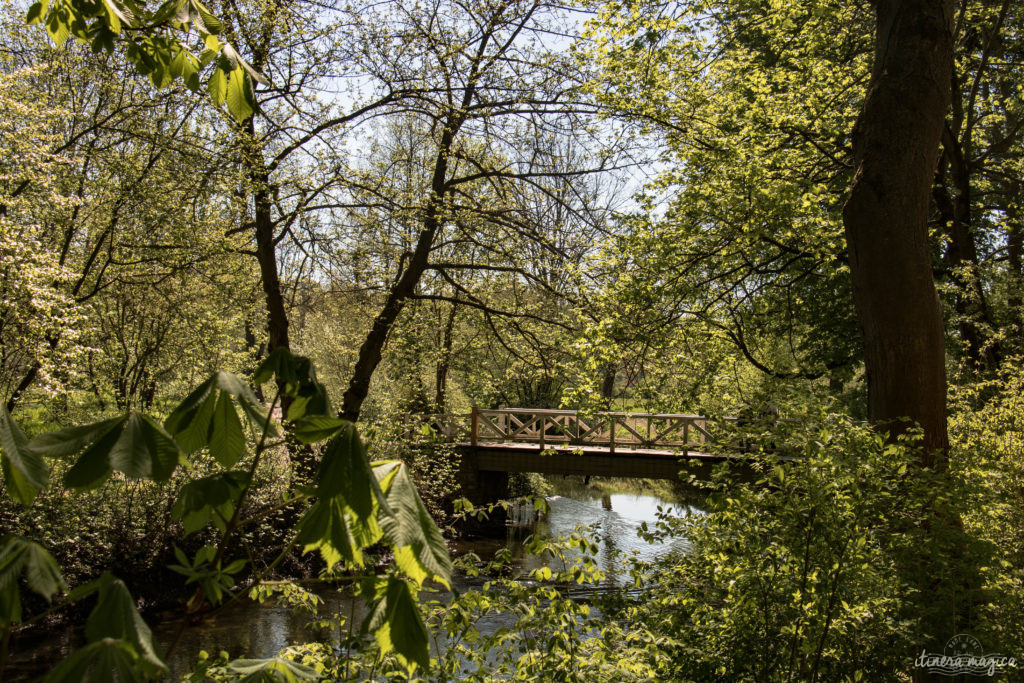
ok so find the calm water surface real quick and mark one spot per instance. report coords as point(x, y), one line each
point(253, 630)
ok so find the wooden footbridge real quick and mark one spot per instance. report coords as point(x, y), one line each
point(495, 442)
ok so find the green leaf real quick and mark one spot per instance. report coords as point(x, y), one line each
point(296, 378)
point(311, 400)
point(189, 423)
point(236, 60)
point(325, 527)
point(37, 11)
point(240, 98)
point(72, 440)
point(10, 602)
point(21, 557)
point(134, 444)
point(168, 9)
point(397, 625)
point(202, 419)
point(106, 660)
point(57, 26)
point(144, 450)
point(227, 442)
point(246, 399)
point(344, 518)
point(24, 471)
point(218, 86)
point(42, 574)
point(116, 617)
point(420, 550)
point(317, 428)
point(93, 467)
point(272, 670)
point(290, 370)
point(205, 19)
point(209, 498)
point(118, 14)
point(345, 471)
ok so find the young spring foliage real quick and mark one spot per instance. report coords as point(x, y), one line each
point(159, 39)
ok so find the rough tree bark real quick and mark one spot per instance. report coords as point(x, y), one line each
point(896, 147)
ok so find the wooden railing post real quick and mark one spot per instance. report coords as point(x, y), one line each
point(543, 428)
point(686, 438)
point(474, 418)
point(611, 434)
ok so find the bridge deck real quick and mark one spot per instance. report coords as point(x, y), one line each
point(589, 449)
point(643, 445)
point(599, 461)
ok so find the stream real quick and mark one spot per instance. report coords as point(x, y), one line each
point(248, 629)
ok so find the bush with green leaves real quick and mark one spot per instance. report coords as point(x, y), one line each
point(351, 505)
point(987, 455)
point(840, 565)
point(545, 632)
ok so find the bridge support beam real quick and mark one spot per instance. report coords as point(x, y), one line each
point(595, 462)
point(482, 488)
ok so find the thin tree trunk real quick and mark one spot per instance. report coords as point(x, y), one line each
point(970, 300)
point(444, 362)
point(896, 145)
point(1014, 248)
point(26, 381)
point(266, 250)
point(370, 352)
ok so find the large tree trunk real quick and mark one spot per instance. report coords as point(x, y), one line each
point(896, 146)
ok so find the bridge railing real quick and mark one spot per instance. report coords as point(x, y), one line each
point(439, 426)
point(656, 431)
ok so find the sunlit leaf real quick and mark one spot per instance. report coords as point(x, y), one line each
point(272, 670)
point(325, 527)
point(239, 97)
point(218, 86)
point(420, 550)
point(205, 19)
point(397, 625)
point(36, 11)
